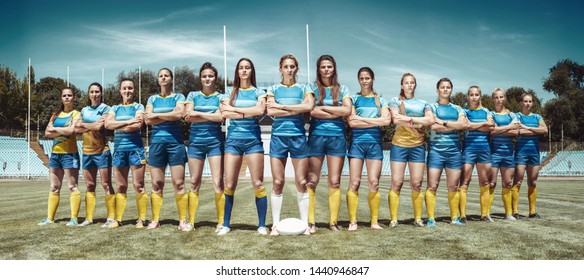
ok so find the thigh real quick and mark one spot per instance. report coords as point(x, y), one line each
point(355, 173)
point(255, 163)
point(216, 166)
point(452, 179)
point(373, 173)
point(232, 168)
point(196, 172)
point(56, 178)
point(434, 178)
point(300, 173)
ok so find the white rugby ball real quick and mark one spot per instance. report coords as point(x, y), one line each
point(291, 226)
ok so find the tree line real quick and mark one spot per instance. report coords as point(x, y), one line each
point(565, 81)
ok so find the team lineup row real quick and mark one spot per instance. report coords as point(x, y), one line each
point(495, 141)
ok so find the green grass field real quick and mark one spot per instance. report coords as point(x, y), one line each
point(558, 236)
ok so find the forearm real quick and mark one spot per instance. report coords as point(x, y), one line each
point(337, 111)
point(317, 112)
point(231, 115)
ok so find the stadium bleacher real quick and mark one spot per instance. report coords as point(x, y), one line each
point(565, 163)
point(14, 158)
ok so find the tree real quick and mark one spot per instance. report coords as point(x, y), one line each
point(565, 76)
point(12, 100)
point(186, 81)
point(48, 98)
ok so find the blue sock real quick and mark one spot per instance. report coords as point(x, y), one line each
point(262, 207)
point(227, 214)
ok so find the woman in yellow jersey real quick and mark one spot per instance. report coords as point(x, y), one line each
point(127, 119)
point(96, 152)
point(410, 115)
point(327, 137)
point(64, 161)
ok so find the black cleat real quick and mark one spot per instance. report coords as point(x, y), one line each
point(534, 216)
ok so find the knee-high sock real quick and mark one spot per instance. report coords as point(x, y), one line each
point(276, 204)
point(491, 198)
point(54, 198)
point(453, 202)
point(110, 205)
point(393, 204)
point(121, 200)
point(334, 205)
point(303, 200)
point(532, 197)
point(229, 199)
point(156, 201)
point(374, 200)
point(430, 203)
point(515, 199)
point(89, 205)
point(462, 201)
point(182, 204)
point(220, 205)
point(507, 196)
point(261, 201)
point(142, 205)
point(484, 200)
point(193, 204)
point(75, 203)
point(417, 202)
point(311, 205)
point(352, 205)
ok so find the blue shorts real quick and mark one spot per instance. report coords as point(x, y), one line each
point(129, 158)
point(280, 146)
point(474, 157)
point(440, 160)
point(244, 146)
point(327, 145)
point(523, 159)
point(365, 151)
point(103, 160)
point(201, 150)
point(163, 154)
point(63, 161)
point(407, 154)
point(503, 160)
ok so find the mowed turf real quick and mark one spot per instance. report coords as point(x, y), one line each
point(558, 235)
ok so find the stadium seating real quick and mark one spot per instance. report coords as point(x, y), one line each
point(14, 159)
point(565, 163)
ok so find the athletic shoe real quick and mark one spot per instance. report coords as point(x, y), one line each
point(107, 223)
point(419, 223)
point(185, 226)
point(510, 218)
point(312, 228)
point(224, 231)
point(85, 223)
point(376, 226)
point(72, 222)
point(431, 223)
point(534, 216)
point(352, 226)
point(516, 216)
point(487, 219)
point(334, 228)
point(463, 220)
point(153, 225)
point(140, 223)
point(45, 222)
point(218, 228)
point(274, 231)
point(393, 224)
point(263, 231)
point(115, 224)
point(457, 221)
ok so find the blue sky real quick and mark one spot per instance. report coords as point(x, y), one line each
point(489, 44)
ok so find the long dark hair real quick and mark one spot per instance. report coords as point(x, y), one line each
point(334, 81)
point(89, 88)
point(237, 81)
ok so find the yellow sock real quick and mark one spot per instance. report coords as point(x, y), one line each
point(89, 205)
point(142, 204)
point(311, 205)
point(374, 200)
point(193, 204)
point(54, 198)
point(156, 201)
point(110, 205)
point(75, 203)
point(393, 204)
point(121, 200)
point(352, 205)
point(418, 202)
point(453, 202)
point(334, 205)
point(462, 201)
point(182, 203)
point(220, 205)
point(484, 200)
point(515, 199)
point(259, 193)
point(491, 198)
point(430, 203)
point(507, 197)
point(532, 197)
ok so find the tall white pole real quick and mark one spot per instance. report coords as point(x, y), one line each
point(28, 120)
point(67, 75)
point(307, 56)
point(102, 84)
point(172, 78)
point(140, 84)
point(225, 55)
